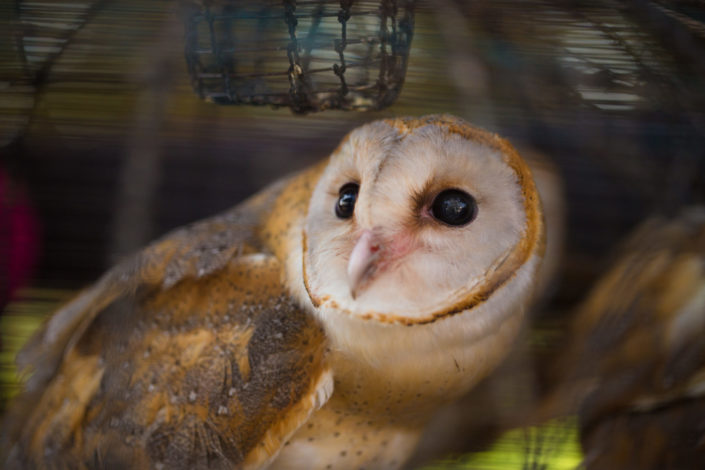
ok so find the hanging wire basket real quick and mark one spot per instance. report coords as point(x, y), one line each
point(307, 55)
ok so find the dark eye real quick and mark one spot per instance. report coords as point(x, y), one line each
point(454, 207)
point(346, 200)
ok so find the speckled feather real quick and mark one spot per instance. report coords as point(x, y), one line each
point(189, 355)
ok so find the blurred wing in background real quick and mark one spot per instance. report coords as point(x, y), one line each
point(635, 368)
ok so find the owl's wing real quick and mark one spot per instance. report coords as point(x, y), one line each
point(635, 370)
point(189, 252)
point(191, 355)
point(639, 332)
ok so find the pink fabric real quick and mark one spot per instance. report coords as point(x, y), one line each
point(19, 237)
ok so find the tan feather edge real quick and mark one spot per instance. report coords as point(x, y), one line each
point(532, 241)
point(275, 438)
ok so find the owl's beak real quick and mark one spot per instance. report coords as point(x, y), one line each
point(362, 261)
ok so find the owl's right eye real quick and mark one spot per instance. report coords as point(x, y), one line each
point(347, 196)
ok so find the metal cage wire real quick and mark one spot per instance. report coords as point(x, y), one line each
point(307, 55)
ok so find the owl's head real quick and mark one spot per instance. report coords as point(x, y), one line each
point(415, 220)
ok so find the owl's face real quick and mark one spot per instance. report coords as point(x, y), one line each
point(413, 220)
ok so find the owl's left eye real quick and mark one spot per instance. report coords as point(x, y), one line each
point(347, 196)
point(454, 207)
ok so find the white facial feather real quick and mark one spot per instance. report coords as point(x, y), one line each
point(390, 325)
point(442, 261)
point(449, 303)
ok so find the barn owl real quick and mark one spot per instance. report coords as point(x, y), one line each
point(317, 325)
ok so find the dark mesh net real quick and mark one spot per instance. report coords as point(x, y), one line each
point(308, 55)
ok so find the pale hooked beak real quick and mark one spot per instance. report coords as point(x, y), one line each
point(362, 260)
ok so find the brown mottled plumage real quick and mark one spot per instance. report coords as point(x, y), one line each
point(243, 341)
point(190, 355)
